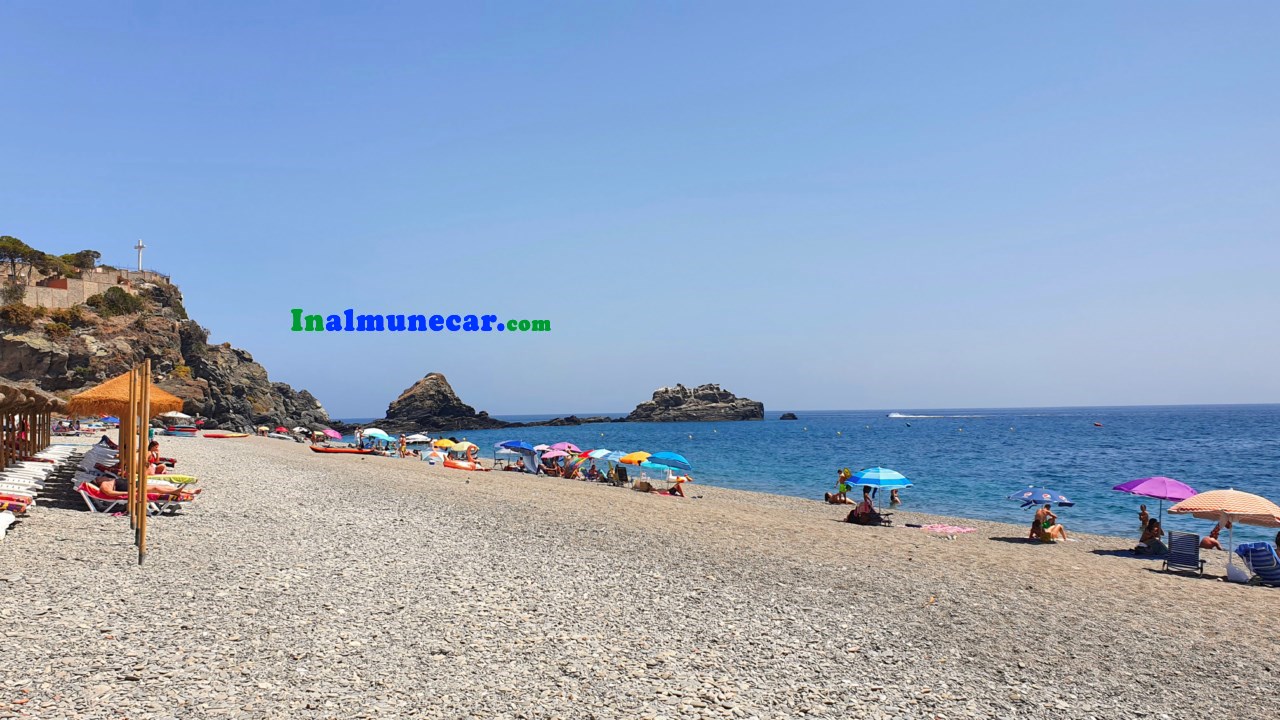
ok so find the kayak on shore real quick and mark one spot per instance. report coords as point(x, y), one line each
point(345, 451)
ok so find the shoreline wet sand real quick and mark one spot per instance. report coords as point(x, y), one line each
point(306, 585)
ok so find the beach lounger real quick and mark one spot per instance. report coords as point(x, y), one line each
point(1184, 553)
point(1262, 560)
point(100, 502)
point(96, 500)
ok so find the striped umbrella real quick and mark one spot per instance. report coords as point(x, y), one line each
point(1230, 505)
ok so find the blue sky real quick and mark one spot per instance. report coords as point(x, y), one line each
point(818, 205)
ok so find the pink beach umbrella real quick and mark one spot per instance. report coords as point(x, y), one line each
point(567, 447)
point(1158, 487)
point(554, 454)
point(330, 432)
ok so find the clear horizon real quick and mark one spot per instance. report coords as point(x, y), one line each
point(947, 205)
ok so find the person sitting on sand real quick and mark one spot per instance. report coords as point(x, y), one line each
point(593, 472)
point(865, 512)
point(1211, 542)
point(678, 488)
point(1143, 517)
point(1152, 542)
point(1045, 528)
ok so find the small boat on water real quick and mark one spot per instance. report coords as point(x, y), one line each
point(225, 435)
point(181, 430)
point(345, 451)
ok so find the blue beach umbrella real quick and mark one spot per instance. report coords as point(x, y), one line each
point(878, 477)
point(111, 419)
point(615, 456)
point(516, 445)
point(1039, 496)
point(671, 460)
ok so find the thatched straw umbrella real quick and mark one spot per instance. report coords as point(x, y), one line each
point(112, 398)
point(26, 414)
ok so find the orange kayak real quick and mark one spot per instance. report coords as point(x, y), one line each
point(346, 451)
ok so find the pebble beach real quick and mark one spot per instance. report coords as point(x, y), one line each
point(320, 586)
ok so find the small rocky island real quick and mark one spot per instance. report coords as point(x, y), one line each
point(431, 405)
point(703, 403)
point(787, 416)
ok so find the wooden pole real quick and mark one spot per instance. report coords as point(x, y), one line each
point(124, 438)
point(144, 424)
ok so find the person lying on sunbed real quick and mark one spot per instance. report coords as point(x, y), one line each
point(1152, 542)
point(115, 487)
point(1046, 527)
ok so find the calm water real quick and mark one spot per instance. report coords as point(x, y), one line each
point(964, 462)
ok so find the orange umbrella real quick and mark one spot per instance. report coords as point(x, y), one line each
point(1233, 505)
point(1230, 506)
point(634, 458)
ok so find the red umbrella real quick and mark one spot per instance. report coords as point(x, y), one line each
point(282, 429)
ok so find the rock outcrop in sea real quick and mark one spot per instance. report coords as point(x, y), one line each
point(431, 405)
point(702, 403)
point(787, 416)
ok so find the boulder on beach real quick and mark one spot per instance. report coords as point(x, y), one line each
point(702, 403)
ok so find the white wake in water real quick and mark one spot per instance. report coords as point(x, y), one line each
point(899, 416)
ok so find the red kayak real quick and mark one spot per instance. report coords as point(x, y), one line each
point(346, 451)
point(225, 435)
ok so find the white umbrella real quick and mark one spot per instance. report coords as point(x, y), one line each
point(541, 448)
point(301, 429)
point(417, 438)
point(373, 431)
point(176, 414)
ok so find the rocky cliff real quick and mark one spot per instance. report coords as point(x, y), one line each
point(431, 405)
point(705, 402)
point(69, 350)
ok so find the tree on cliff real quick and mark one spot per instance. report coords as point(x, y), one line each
point(14, 251)
point(83, 260)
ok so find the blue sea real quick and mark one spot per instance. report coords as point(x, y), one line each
point(965, 462)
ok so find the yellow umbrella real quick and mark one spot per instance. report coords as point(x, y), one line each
point(461, 447)
point(444, 443)
point(634, 458)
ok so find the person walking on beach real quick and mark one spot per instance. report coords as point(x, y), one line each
point(894, 500)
